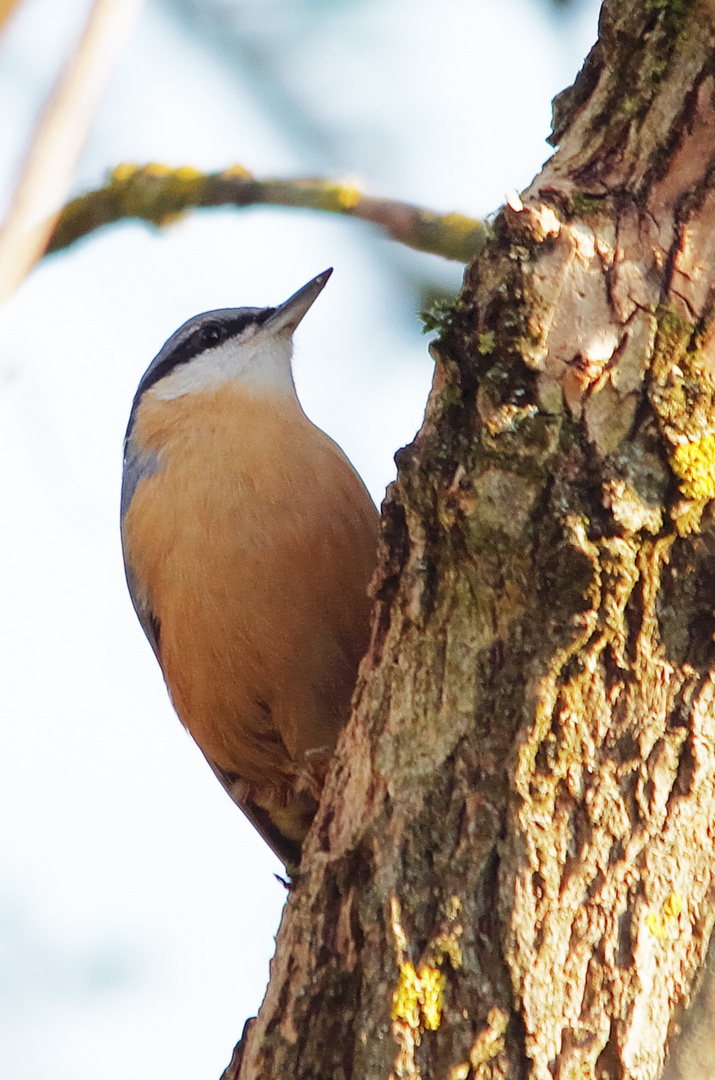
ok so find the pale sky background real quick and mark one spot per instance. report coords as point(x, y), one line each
point(137, 907)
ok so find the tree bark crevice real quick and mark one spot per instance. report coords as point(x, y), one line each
point(511, 873)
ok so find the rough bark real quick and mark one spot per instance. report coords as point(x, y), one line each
point(512, 870)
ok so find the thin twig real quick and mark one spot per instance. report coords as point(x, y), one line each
point(159, 195)
point(59, 138)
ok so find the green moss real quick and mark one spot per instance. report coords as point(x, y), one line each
point(658, 69)
point(640, 51)
point(681, 392)
point(486, 343)
point(440, 316)
point(683, 396)
point(585, 205)
point(672, 338)
point(671, 14)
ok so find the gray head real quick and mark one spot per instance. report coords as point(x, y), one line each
point(252, 346)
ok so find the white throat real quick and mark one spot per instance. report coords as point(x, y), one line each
point(261, 363)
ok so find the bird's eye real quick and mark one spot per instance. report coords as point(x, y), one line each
point(211, 334)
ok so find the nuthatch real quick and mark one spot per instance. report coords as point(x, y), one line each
point(249, 541)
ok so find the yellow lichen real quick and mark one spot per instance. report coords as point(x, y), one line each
point(673, 906)
point(490, 1041)
point(348, 197)
point(340, 197)
point(123, 172)
point(446, 946)
point(419, 997)
point(663, 925)
point(156, 168)
point(155, 192)
point(453, 907)
point(457, 225)
point(187, 172)
point(237, 172)
point(406, 998)
point(431, 996)
point(694, 463)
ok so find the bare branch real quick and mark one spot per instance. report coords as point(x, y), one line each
point(6, 9)
point(59, 138)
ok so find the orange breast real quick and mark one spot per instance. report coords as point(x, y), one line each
point(256, 541)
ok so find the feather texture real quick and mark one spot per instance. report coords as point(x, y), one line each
point(249, 542)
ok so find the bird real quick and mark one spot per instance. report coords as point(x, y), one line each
point(249, 542)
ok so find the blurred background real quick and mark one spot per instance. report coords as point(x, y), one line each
point(137, 907)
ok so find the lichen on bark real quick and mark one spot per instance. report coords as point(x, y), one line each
point(511, 873)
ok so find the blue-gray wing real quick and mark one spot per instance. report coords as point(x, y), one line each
point(137, 466)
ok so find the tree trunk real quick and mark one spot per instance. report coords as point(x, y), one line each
point(512, 871)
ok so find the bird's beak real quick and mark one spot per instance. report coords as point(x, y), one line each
point(286, 317)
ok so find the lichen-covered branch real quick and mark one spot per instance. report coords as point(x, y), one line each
point(512, 871)
point(158, 195)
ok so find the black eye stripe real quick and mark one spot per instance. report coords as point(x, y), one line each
point(205, 336)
